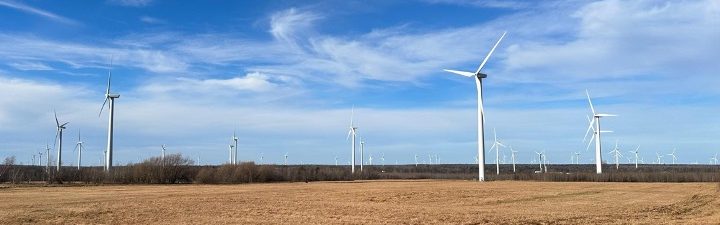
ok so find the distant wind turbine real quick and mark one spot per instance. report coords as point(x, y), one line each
point(673, 156)
point(512, 156)
point(79, 148)
point(481, 113)
point(616, 152)
point(352, 132)
point(59, 139)
point(496, 144)
point(636, 155)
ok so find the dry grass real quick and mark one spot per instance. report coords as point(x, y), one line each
point(371, 202)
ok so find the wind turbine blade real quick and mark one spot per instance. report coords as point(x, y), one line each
point(606, 131)
point(590, 101)
point(56, 119)
point(590, 142)
point(107, 91)
point(588, 130)
point(348, 136)
point(103, 106)
point(352, 114)
point(490, 53)
point(605, 115)
point(64, 124)
point(463, 73)
point(493, 146)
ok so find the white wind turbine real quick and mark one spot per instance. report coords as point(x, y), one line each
point(577, 158)
point(111, 114)
point(596, 134)
point(262, 157)
point(659, 158)
point(162, 157)
point(336, 160)
point(714, 159)
point(636, 155)
point(496, 145)
point(362, 153)
point(286, 155)
point(382, 159)
point(540, 159)
point(673, 156)
point(481, 113)
point(512, 156)
point(416, 160)
point(616, 152)
point(370, 160)
point(352, 132)
point(230, 153)
point(79, 148)
point(59, 139)
point(235, 152)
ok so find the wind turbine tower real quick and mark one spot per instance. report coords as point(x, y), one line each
point(79, 148)
point(636, 155)
point(353, 133)
point(595, 126)
point(481, 114)
point(235, 152)
point(59, 138)
point(111, 115)
point(673, 156)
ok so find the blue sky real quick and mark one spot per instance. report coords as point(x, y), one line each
point(285, 75)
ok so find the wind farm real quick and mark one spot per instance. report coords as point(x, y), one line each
point(272, 95)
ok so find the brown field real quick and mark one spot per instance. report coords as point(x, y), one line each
point(367, 202)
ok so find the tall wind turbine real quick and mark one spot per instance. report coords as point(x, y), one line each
point(481, 114)
point(496, 145)
point(577, 158)
point(353, 133)
point(286, 155)
point(659, 158)
point(111, 114)
point(79, 148)
point(673, 156)
point(59, 139)
point(596, 134)
point(636, 155)
point(714, 158)
point(230, 154)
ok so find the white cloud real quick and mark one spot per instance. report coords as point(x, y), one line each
point(30, 66)
point(485, 3)
point(36, 11)
point(151, 20)
point(131, 3)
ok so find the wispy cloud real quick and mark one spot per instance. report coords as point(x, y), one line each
point(485, 3)
point(151, 20)
point(30, 66)
point(131, 3)
point(36, 11)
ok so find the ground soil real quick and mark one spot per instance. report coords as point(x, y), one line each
point(366, 202)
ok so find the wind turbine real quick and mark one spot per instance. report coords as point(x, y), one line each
point(382, 158)
point(673, 156)
point(59, 138)
point(496, 145)
point(111, 114)
point(714, 158)
point(79, 148)
point(481, 113)
point(370, 160)
point(540, 159)
point(636, 155)
point(416, 160)
point(596, 134)
point(235, 153)
point(262, 156)
point(286, 155)
point(659, 158)
point(577, 158)
point(336, 160)
point(616, 152)
point(353, 133)
point(362, 153)
point(512, 156)
point(162, 157)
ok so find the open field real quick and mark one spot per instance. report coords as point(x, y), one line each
point(367, 202)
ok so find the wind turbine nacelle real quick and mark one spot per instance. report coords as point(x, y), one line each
point(481, 75)
point(113, 96)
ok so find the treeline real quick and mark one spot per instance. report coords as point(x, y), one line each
point(175, 169)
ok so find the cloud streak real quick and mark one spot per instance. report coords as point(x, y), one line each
point(36, 11)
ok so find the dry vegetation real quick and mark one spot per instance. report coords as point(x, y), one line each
point(367, 202)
